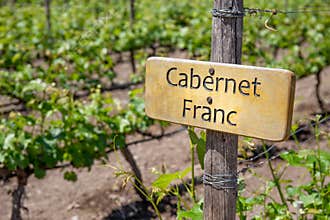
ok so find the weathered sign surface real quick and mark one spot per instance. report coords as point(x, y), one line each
point(238, 99)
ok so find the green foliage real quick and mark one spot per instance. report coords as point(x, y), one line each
point(65, 130)
point(163, 181)
point(84, 34)
point(195, 213)
point(245, 205)
point(315, 196)
point(164, 185)
point(310, 159)
point(71, 176)
point(310, 199)
point(200, 143)
point(293, 45)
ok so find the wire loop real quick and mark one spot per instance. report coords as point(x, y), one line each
point(220, 181)
point(227, 13)
point(268, 19)
point(234, 13)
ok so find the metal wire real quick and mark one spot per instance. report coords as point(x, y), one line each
point(227, 13)
point(220, 181)
point(259, 164)
point(252, 11)
point(249, 166)
point(232, 13)
point(293, 134)
point(229, 181)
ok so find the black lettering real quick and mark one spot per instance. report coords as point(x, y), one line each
point(228, 118)
point(241, 87)
point(217, 80)
point(184, 107)
point(206, 81)
point(255, 83)
point(195, 108)
point(222, 116)
point(168, 76)
point(234, 85)
point(192, 76)
point(208, 114)
point(183, 82)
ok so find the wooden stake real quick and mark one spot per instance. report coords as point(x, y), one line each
point(48, 15)
point(221, 148)
point(132, 18)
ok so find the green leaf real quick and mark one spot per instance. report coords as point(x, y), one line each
point(56, 132)
point(120, 141)
point(201, 150)
point(193, 136)
point(183, 173)
point(123, 125)
point(291, 157)
point(39, 173)
point(195, 213)
point(292, 191)
point(2, 157)
point(200, 144)
point(160, 197)
point(70, 176)
point(308, 199)
point(16, 57)
point(325, 155)
point(164, 180)
point(34, 86)
point(8, 143)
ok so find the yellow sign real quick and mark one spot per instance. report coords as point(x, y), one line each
point(238, 99)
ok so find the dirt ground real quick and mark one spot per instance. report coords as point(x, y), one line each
point(98, 193)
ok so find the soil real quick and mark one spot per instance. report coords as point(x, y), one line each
point(98, 194)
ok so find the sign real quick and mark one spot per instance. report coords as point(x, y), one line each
point(238, 99)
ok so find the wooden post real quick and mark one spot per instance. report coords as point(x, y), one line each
point(48, 15)
point(132, 18)
point(221, 148)
point(286, 4)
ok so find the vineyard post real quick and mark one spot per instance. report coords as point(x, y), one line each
point(286, 4)
point(132, 18)
point(221, 148)
point(48, 16)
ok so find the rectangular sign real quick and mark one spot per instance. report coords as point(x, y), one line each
point(238, 99)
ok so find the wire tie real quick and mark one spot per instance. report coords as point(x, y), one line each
point(220, 181)
point(227, 13)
